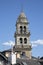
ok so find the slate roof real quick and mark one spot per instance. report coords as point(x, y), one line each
point(28, 62)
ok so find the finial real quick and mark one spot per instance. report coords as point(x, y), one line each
point(22, 7)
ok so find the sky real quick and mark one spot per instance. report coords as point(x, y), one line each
point(9, 12)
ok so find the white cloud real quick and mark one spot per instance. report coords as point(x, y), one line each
point(10, 43)
point(37, 42)
point(34, 45)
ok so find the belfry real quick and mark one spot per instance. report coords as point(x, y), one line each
point(22, 37)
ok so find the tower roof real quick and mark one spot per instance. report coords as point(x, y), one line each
point(22, 15)
point(22, 18)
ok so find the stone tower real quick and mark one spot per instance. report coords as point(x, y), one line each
point(22, 37)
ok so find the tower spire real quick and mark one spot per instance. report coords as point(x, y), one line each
point(22, 36)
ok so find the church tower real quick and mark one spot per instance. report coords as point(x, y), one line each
point(22, 37)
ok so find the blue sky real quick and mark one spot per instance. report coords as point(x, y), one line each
point(9, 12)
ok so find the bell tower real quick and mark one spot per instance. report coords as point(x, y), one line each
point(22, 36)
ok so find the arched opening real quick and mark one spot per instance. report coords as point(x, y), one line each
point(23, 54)
point(24, 29)
point(21, 40)
point(20, 29)
point(25, 40)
